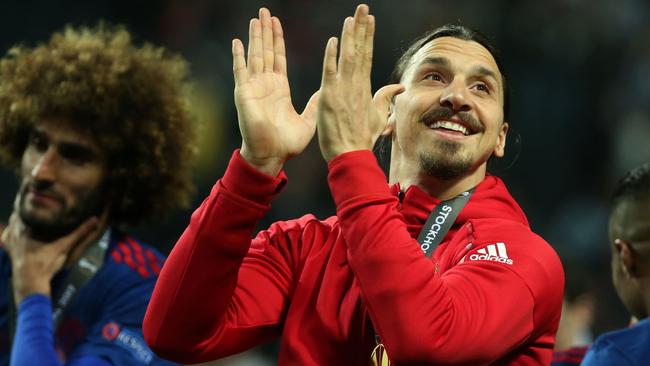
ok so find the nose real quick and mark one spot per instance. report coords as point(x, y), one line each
point(45, 167)
point(454, 96)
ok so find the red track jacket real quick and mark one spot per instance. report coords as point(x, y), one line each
point(491, 293)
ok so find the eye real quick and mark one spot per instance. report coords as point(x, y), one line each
point(38, 142)
point(482, 87)
point(75, 154)
point(433, 76)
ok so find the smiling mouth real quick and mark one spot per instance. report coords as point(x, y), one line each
point(40, 197)
point(450, 126)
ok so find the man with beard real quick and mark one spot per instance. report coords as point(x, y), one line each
point(437, 267)
point(99, 132)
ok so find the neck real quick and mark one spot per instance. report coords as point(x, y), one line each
point(439, 188)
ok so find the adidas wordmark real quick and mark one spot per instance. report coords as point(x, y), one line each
point(493, 252)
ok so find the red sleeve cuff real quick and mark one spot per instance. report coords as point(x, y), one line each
point(356, 173)
point(244, 180)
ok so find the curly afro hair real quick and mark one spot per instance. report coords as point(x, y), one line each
point(134, 101)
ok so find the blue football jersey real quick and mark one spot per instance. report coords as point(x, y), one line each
point(629, 346)
point(105, 318)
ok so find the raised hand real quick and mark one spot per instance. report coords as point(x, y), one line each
point(349, 118)
point(34, 263)
point(272, 131)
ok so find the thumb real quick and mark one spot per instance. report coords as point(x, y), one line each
point(384, 96)
point(17, 202)
point(309, 113)
point(382, 102)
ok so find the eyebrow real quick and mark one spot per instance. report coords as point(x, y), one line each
point(77, 150)
point(483, 71)
point(443, 61)
point(69, 147)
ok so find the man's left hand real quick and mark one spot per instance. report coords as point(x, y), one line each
point(349, 118)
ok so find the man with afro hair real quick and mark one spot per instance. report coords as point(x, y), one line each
point(100, 134)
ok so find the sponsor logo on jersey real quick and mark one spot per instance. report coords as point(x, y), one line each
point(492, 252)
point(110, 331)
point(128, 340)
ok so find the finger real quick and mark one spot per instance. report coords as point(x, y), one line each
point(360, 25)
point(329, 61)
point(60, 260)
point(16, 225)
point(13, 233)
point(9, 233)
point(346, 55)
point(4, 234)
point(255, 59)
point(267, 38)
point(309, 113)
point(239, 62)
point(366, 65)
point(103, 218)
point(17, 202)
point(280, 57)
point(81, 244)
point(77, 236)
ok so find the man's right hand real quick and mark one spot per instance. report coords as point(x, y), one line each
point(34, 263)
point(272, 130)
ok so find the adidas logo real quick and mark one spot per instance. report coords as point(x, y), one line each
point(493, 252)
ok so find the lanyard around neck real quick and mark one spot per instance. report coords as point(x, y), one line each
point(440, 220)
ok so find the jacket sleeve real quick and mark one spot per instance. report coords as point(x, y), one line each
point(34, 340)
point(472, 314)
point(219, 293)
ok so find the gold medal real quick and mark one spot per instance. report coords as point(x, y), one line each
point(379, 356)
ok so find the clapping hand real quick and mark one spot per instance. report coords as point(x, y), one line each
point(349, 118)
point(272, 131)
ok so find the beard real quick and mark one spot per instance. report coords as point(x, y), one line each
point(446, 162)
point(66, 219)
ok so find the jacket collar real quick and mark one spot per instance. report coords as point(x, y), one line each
point(491, 199)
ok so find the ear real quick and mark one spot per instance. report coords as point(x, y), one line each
point(390, 126)
point(500, 147)
point(626, 257)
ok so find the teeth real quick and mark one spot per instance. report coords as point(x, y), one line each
point(450, 126)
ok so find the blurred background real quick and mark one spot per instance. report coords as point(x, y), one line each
point(579, 72)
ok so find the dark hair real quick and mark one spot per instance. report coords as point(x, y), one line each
point(634, 185)
point(132, 100)
point(456, 31)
